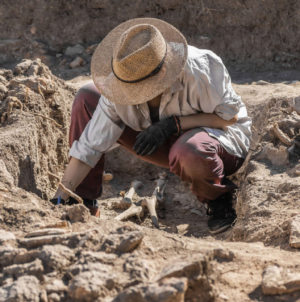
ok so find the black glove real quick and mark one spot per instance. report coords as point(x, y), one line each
point(149, 140)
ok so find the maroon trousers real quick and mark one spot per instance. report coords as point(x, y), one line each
point(194, 156)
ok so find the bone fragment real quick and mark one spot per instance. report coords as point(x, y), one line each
point(48, 118)
point(44, 232)
point(132, 211)
point(107, 177)
point(56, 225)
point(69, 192)
point(282, 136)
point(53, 239)
point(160, 189)
point(134, 186)
point(151, 204)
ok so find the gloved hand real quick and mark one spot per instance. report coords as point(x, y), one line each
point(149, 140)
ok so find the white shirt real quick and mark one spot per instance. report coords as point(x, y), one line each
point(204, 85)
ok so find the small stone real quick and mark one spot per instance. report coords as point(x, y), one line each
point(171, 289)
point(79, 213)
point(74, 50)
point(24, 289)
point(90, 50)
point(43, 296)
point(56, 286)
point(54, 297)
point(34, 268)
point(278, 157)
point(58, 55)
point(224, 254)
point(277, 281)
point(88, 286)
point(77, 63)
point(6, 236)
point(261, 82)
point(295, 232)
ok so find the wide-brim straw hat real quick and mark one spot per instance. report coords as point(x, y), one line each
point(138, 60)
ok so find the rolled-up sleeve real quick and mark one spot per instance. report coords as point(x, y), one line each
point(210, 85)
point(102, 131)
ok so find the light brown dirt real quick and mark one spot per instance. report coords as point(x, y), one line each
point(106, 260)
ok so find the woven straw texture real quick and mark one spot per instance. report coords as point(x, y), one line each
point(137, 47)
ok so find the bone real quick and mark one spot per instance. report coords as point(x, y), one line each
point(160, 189)
point(44, 232)
point(282, 136)
point(126, 202)
point(48, 118)
point(69, 192)
point(56, 225)
point(132, 211)
point(151, 204)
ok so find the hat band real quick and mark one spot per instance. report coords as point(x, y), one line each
point(151, 74)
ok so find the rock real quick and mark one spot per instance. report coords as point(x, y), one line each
point(3, 80)
point(74, 50)
point(102, 257)
point(5, 176)
point(78, 213)
point(56, 286)
point(34, 268)
point(77, 63)
point(261, 82)
point(295, 232)
point(43, 296)
point(89, 285)
point(3, 92)
point(6, 237)
point(91, 49)
point(56, 256)
point(54, 297)
point(278, 157)
point(277, 281)
point(35, 83)
point(196, 266)
point(22, 67)
point(78, 268)
point(8, 254)
point(58, 55)
point(224, 254)
point(123, 243)
point(172, 289)
point(24, 289)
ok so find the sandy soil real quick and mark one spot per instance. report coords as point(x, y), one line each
point(92, 259)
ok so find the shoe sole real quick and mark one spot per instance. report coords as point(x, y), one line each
point(221, 230)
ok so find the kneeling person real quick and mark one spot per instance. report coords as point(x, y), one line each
point(168, 103)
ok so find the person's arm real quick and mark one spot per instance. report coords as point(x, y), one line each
point(210, 120)
point(103, 130)
point(74, 174)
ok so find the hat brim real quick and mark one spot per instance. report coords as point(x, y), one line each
point(141, 92)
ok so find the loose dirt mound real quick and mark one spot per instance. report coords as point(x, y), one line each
point(50, 253)
point(35, 115)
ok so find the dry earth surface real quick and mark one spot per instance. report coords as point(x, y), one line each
point(61, 253)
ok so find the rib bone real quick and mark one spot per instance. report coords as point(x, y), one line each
point(132, 211)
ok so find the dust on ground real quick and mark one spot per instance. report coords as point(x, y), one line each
point(60, 253)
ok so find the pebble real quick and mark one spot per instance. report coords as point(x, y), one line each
point(77, 63)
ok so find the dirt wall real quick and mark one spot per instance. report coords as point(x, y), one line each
point(250, 35)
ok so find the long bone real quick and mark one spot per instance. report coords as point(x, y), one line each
point(157, 196)
point(126, 202)
point(131, 211)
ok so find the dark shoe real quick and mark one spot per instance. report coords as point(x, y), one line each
point(91, 204)
point(222, 215)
